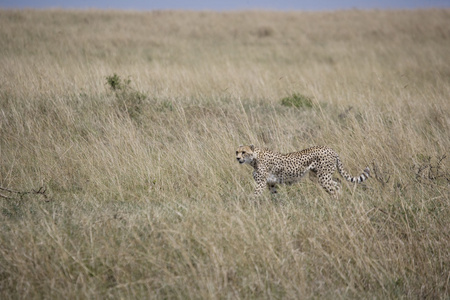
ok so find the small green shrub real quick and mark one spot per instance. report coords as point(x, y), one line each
point(128, 100)
point(297, 100)
point(115, 82)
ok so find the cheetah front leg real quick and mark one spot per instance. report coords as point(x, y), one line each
point(260, 185)
point(260, 179)
point(272, 188)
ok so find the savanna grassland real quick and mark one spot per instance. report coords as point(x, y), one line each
point(117, 170)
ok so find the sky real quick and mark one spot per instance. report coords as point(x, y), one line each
point(309, 5)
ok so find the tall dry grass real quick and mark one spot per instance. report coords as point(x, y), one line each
point(143, 195)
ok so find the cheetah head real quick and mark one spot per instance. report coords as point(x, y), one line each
point(245, 154)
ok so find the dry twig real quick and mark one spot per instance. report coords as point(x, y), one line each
point(379, 175)
point(41, 191)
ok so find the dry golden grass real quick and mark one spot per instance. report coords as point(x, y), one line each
point(144, 198)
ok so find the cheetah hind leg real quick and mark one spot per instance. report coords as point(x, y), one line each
point(334, 191)
point(330, 185)
point(337, 188)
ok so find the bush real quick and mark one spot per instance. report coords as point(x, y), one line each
point(297, 100)
point(128, 100)
point(115, 82)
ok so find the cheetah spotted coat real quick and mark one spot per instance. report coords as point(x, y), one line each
point(272, 168)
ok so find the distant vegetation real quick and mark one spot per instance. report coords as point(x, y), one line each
point(297, 100)
point(117, 138)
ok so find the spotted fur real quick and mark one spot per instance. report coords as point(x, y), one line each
point(272, 168)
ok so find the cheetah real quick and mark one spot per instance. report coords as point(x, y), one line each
point(272, 168)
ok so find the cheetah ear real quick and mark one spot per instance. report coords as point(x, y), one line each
point(252, 147)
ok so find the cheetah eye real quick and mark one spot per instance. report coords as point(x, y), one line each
point(243, 152)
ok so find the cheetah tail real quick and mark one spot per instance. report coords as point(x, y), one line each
point(358, 179)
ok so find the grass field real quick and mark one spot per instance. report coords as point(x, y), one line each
point(117, 170)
